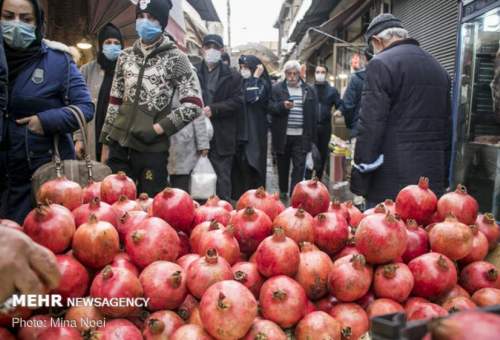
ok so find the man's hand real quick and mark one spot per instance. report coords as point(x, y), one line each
point(105, 154)
point(207, 111)
point(203, 153)
point(80, 149)
point(25, 266)
point(258, 71)
point(158, 129)
point(288, 104)
point(34, 124)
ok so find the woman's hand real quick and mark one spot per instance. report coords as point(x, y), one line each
point(258, 71)
point(80, 149)
point(34, 124)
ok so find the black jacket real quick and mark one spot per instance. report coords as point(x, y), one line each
point(405, 116)
point(227, 105)
point(4, 80)
point(279, 121)
point(328, 96)
point(352, 101)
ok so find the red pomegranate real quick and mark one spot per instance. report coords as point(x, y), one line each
point(310, 307)
point(114, 186)
point(350, 249)
point(297, 223)
point(277, 255)
point(119, 329)
point(379, 209)
point(161, 325)
point(32, 333)
point(282, 300)
point(60, 332)
point(489, 228)
point(116, 283)
point(260, 199)
point(164, 283)
point(381, 238)
point(188, 306)
point(451, 238)
point(145, 202)
point(10, 224)
point(318, 325)
point(251, 227)
point(434, 274)
point(418, 241)
point(350, 278)
point(129, 221)
point(459, 304)
point(426, 311)
point(312, 196)
point(353, 320)
point(366, 300)
point(91, 191)
point(101, 210)
point(479, 247)
point(393, 281)
point(85, 317)
point(479, 274)
point(331, 232)
point(355, 215)
point(223, 241)
point(122, 260)
point(265, 329)
point(390, 206)
point(417, 202)
point(176, 207)
point(314, 268)
point(412, 303)
point(186, 260)
point(191, 332)
point(61, 191)
point(248, 275)
point(74, 280)
point(207, 213)
point(206, 271)
point(152, 240)
point(339, 209)
point(382, 307)
point(96, 243)
point(455, 292)
point(184, 247)
point(228, 310)
point(200, 230)
point(52, 226)
point(6, 335)
point(6, 318)
point(124, 204)
point(468, 325)
point(326, 304)
point(215, 201)
point(486, 297)
point(460, 204)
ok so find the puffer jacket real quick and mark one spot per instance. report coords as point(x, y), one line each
point(406, 117)
point(142, 94)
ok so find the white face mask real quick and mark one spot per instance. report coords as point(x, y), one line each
point(212, 56)
point(246, 73)
point(320, 77)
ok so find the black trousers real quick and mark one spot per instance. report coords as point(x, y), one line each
point(222, 165)
point(294, 152)
point(324, 136)
point(147, 169)
point(243, 176)
point(180, 182)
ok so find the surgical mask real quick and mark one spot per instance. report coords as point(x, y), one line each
point(246, 73)
point(18, 34)
point(148, 30)
point(112, 51)
point(320, 77)
point(213, 56)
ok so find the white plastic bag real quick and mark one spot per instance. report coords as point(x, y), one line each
point(203, 180)
point(309, 161)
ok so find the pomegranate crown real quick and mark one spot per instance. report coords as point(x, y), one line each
point(423, 183)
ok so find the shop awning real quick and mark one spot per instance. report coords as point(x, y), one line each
point(206, 9)
point(316, 14)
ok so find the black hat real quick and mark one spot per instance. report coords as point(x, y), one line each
point(381, 23)
point(109, 31)
point(214, 39)
point(159, 9)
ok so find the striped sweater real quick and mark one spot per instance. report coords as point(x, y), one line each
point(296, 116)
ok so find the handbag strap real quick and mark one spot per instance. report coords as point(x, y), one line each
point(83, 128)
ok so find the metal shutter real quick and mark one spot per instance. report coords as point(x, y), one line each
point(434, 23)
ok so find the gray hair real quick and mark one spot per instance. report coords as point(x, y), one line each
point(290, 65)
point(394, 32)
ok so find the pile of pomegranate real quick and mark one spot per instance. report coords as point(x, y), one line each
point(316, 270)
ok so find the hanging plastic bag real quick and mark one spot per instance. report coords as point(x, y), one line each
point(309, 161)
point(203, 180)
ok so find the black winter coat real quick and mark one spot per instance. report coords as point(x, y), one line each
point(328, 96)
point(352, 101)
point(279, 121)
point(227, 105)
point(405, 116)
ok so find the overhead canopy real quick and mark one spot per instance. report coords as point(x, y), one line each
point(206, 9)
point(102, 12)
point(317, 14)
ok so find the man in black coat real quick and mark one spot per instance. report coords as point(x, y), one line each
point(222, 94)
point(405, 119)
point(294, 110)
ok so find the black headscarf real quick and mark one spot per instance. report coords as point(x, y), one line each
point(17, 60)
point(252, 62)
point(107, 32)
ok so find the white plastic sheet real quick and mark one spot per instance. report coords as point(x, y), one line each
point(203, 180)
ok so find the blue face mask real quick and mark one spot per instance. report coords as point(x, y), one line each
point(148, 30)
point(111, 52)
point(17, 34)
